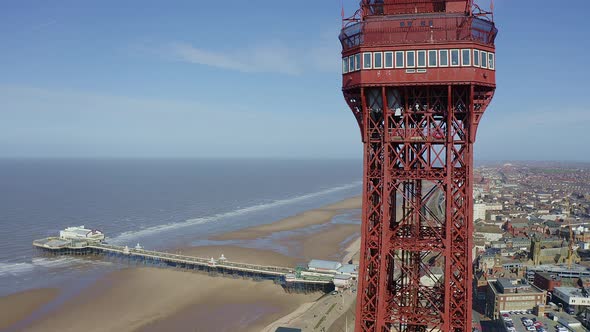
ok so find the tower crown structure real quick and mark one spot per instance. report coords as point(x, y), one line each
point(421, 41)
point(418, 76)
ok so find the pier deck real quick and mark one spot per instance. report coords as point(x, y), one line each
point(290, 278)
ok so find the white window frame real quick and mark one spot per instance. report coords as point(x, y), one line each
point(440, 52)
point(483, 54)
point(418, 57)
point(351, 64)
point(458, 57)
point(385, 59)
point(476, 57)
point(345, 65)
point(491, 61)
point(375, 62)
point(435, 58)
point(357, 62)
point(408, 53)
point(395, 64)
point(463, 50)
point(370, 65)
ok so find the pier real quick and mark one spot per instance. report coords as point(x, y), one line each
point(291, 279)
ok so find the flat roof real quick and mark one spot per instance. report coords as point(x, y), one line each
point(324, 265)
point(559, 268)
point(571, 291)
point(505, 284)
point(549, 276)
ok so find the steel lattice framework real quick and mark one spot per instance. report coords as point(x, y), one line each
point(418, 128)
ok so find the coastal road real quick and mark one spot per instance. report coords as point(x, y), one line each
point(322, 315)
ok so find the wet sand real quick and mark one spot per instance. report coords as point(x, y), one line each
point(151, 299)
point(16, 307)
point(308, 218)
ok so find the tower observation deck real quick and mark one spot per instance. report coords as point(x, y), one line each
point(418, 76)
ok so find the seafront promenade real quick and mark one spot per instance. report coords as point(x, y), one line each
point(292, 279)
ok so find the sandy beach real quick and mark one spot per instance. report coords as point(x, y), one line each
point(308, 218)
point(15, 307)
point(152, 299)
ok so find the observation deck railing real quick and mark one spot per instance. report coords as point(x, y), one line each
point(408, 30)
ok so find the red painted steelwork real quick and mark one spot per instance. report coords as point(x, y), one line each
point(418, 130)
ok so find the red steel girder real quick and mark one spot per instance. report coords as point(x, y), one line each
point(416, 205)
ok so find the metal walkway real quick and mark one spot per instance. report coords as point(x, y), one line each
point(290, 278)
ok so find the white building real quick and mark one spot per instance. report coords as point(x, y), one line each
point(324, 266)
point(480, 209)
point(342, 281)
point(572, 296)
point(81, 233)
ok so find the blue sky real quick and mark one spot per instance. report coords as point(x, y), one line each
point(255, 78)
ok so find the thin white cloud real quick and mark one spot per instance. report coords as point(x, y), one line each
point(321, 55)
point(275, 59)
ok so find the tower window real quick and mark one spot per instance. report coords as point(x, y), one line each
point(388, 59)
point(411, 59)
point(351, 64)
point(357, 61)
point(367, 60)
point(421, 59)
point(399, 59)
point(432, 58)
point(491, 60)
point(444, 58)
point(345, 65)
point(454, 58)
point(377, 60)
point(466, 57)
point(476, 58)
point(484, 59)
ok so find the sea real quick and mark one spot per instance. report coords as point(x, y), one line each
point(158, 203)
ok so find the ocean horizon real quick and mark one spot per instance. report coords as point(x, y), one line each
point(161, 203)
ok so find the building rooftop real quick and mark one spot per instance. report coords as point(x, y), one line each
point(572, 291)
point(348, 269)
point(549, 276)
point(323, 265)
point(560, 268)
point(505, 285)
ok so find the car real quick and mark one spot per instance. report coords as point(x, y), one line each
point(505, 315)
point(531, 328)
point(511, 329)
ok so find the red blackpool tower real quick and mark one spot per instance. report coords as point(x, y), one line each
point(418, 76)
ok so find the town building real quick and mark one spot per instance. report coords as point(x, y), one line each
point(571, 297)
point(512, 294)
point(546, 281)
